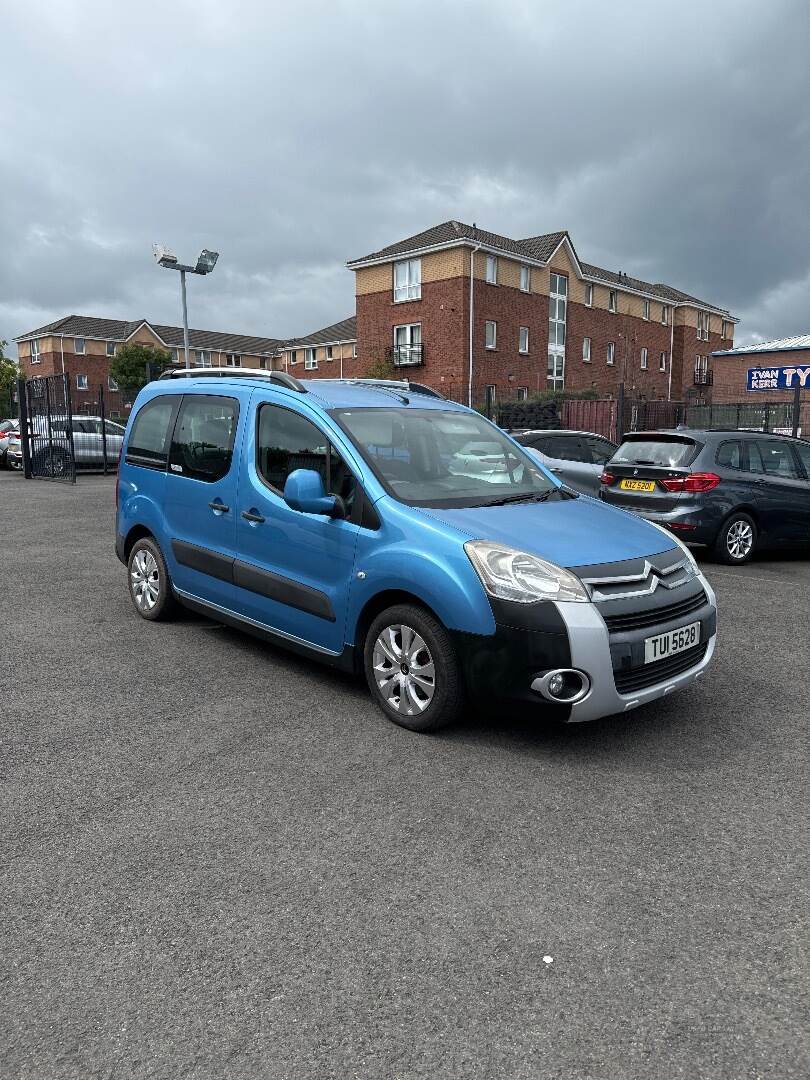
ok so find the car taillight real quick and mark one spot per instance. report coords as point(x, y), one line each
point(696, 481)
point(607, 477)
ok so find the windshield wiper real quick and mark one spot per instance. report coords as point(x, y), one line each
point(525, 497)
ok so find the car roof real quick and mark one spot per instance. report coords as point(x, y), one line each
point(707, 433)
point(558, 431)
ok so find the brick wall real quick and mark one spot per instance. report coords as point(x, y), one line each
point(95, 367)
point(685, 348)
point(630, 335)
point(731, 375)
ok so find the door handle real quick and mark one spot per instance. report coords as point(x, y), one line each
point(223, 509)
point(248, 515)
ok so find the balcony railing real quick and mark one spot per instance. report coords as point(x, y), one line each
point(704, 378)
point(406, 355)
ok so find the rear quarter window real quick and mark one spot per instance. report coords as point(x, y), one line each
point(667, 453)
point(729, 454)
point(151, 430)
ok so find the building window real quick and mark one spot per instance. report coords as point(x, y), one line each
point(522, 393)
point(35, 356)
point(293, 356)
point(407, 344)
point(557, 311)
point(703, 325)
point(490, 396)
point(330, 352)
point(589, 296)
point(265, 364)
point(492, 270)
point(233, 360)
point(407, 280)
point(644, 359)
point(525, 279)
point(491, 335)
point(311, 360)
point(78, 345)
point(556, 371)
point(112, 384)
point(111, 348)
point(523, 339)
point(611, 352)
point(204, 358)
point(646, 310)
point(724, 329)
point(662, 362)
point(354, 351)
point(612, 300)
point(81, 382)
point(664, 314)
point(175, 355)
point(701, 366)
point(586, 350)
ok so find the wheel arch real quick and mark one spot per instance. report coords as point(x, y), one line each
point(377, 603)
point(137, 532)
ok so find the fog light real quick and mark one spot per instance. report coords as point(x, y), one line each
point(556, 684)
point(563, 686)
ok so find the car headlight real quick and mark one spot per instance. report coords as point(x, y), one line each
point(515, 575)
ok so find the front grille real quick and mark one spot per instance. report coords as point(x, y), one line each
point(627, 682)
point(637, 620)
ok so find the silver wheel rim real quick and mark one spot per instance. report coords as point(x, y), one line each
point(404, 670)
point(145, 580)
point(739, 539)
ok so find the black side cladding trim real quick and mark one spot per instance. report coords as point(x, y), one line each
point(213, 563)
point(282, 589)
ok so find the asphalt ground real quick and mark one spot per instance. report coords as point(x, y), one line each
point(219, 860)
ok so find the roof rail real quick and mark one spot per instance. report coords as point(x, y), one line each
point(279, 377)
point(401, 385)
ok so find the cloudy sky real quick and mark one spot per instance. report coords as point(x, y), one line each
point(672, 140)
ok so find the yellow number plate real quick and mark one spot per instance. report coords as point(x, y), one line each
point(637, 485)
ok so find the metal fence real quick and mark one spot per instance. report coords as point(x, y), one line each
point(779, 417)
point(46, 429)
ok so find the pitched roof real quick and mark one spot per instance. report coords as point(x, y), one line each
point(88, 326)
point(785, 344)
point(345, 330)
point(538, 248)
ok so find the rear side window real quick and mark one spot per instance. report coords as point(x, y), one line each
point(567, 448)
point(667, 453)
point(202, 443)
point(729, 455)
point(772, 458)
point(803, 450)
point(601, 449)
point(149, 438)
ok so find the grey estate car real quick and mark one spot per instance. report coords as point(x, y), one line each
point(733, 491)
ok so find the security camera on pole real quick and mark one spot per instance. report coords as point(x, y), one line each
point(206, 262)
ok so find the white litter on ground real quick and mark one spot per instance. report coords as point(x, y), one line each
point(548, 959)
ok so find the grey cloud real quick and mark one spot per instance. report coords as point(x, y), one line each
point(671, 140)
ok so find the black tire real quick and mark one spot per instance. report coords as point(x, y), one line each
point(53, 462)
point(404, 704)
point(737, 540)
point(147, 574)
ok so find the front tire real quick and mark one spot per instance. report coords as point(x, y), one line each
point(150, 587)
point(737, 540)
point(412, 669)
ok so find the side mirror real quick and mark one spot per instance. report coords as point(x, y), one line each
point(304, 491)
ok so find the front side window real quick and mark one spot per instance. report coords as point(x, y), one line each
point(523, 339)
point(202, 443)
point(772, 457)
point(149, 439)
point(78, 345)
point(407, 280)
point(81, 382)
point(436, 457)
point(644, 359)
point(287, 441)
point(586, 350)
point(525, 279)
point(491, 335)
point(611, 352)
point(492, 270)
point(310, 360)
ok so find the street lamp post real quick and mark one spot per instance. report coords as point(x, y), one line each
point(206, 262)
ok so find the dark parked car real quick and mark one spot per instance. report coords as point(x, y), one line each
point(577, 457)
point(730, 490)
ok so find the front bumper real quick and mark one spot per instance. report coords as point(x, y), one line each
point(533, 639)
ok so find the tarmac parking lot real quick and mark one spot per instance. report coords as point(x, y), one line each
point(222, 861)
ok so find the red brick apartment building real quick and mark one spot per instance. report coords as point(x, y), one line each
point(460, 305)
point(731, 366)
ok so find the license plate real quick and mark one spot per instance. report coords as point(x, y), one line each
point(674, 641)
point(637, 485)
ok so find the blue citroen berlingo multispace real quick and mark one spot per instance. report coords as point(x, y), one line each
point(378, 527)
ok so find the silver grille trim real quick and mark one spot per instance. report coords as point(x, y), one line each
point(646, 582)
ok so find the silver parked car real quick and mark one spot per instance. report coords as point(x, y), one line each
point(8, 428)
point(51, 446)
point(577, 457)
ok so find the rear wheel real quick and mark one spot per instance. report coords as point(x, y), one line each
point(737, 539)
point(412, 670)
point(149, 584)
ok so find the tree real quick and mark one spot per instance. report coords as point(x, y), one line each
point(381, 369)
point(9, 373)
point(130, 367)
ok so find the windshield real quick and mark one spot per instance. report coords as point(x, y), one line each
point(437, 458)
point(666, 452)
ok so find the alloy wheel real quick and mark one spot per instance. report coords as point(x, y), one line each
point(145, 578)
point(739, 539)
point(404, 669)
